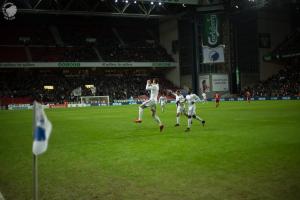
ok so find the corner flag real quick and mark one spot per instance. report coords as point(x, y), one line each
point(42, 130)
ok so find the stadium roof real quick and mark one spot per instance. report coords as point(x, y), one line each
point(137, 8)
point(127, 8)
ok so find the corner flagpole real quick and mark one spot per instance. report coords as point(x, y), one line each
point(42, 128)
point(35, 160)
point(35, 178)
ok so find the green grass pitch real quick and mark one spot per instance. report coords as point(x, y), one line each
point(245, 151)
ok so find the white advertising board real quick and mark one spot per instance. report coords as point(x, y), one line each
point(220, 82)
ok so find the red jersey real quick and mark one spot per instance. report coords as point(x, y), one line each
point(217, 96)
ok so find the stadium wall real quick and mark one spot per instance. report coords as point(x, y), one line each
point(246, 48)
point(186, 81)
point(249, 79)
point(168, 30)
point(277, 26)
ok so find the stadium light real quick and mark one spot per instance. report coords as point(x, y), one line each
point(134, 2)
point(151, 3)
point(236, 6)
point(89, 86)
point(116, 1)
point(48, 87)
point(183, 5)
point(126, 1)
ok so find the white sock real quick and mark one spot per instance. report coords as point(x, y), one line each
point(189, 122)
point(199, 118)
point(141, 111)
point(156, 118)
point(177, 120)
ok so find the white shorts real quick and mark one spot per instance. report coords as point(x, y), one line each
point(150, 103)
point(162, 104)
point(180, 109)
point(192, 110)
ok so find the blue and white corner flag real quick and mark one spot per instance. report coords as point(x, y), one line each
point(42, 130)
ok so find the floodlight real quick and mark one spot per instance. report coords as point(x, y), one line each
point(48, 87)
point(89, 86)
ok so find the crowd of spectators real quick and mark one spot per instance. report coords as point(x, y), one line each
point(285, 83)
point(119, 86)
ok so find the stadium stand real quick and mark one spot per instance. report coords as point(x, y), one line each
point(78, 34)
point(290, 45)
point(142, 52)
point(29, 84)
point(50, 40)
point(10, 53)
point(25, 34)
point(63, 54)
point(285, 83)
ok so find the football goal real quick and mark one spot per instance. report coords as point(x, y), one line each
point(95, 100)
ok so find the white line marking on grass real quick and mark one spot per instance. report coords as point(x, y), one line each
point(1, 196)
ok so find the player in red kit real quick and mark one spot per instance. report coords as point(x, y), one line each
point(248, 96)
point(217, 98)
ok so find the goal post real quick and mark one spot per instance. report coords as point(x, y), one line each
point(95, 100)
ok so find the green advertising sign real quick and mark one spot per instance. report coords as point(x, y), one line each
point(211, 30)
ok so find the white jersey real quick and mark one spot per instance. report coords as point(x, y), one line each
point(179, 99)
point(204, 95)
point(162, 99)
point(154, 88)
point(180, 103)
point(191, 99)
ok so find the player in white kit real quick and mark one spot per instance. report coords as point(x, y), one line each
point(154, 89)
point(191, 100)
point(180, 109)
point(162, 101)
point(204, 97)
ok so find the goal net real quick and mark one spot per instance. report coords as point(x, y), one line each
point(95, 100)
